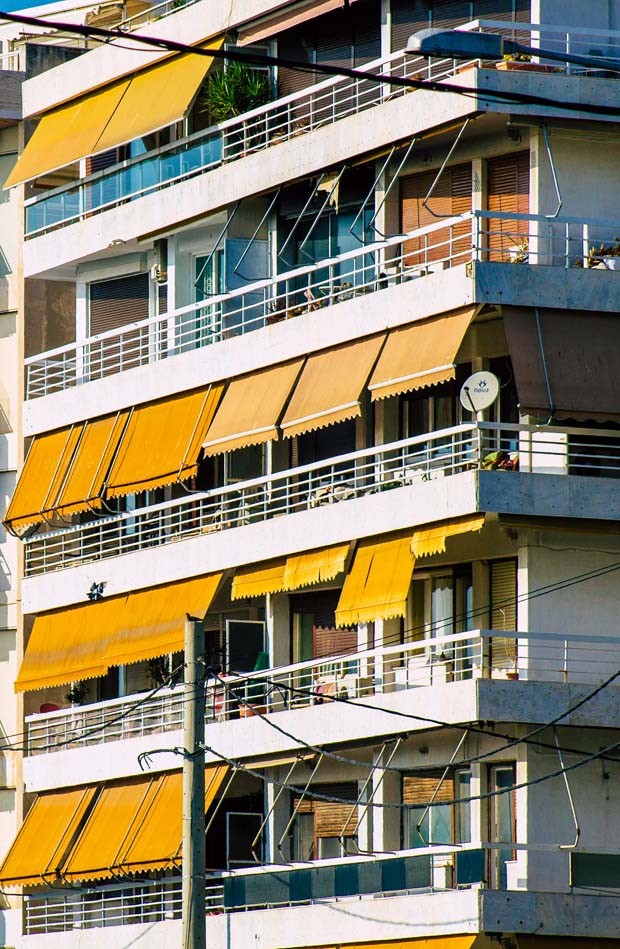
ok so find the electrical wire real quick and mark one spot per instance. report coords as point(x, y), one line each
point(258, 59)
point(532, 594)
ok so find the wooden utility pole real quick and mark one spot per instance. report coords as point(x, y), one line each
point(194, 915)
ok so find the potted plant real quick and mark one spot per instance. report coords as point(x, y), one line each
point(605, 256)
point(522, 62)
point(231, 92)
point(76, 694)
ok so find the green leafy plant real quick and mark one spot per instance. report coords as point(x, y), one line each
point(233, 91)
point(76, 694)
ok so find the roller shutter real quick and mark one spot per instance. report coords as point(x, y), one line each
point(418, 789)
point(504, 613)
point(509, 193)
point(452, 196)
point(118, 302)
point(409, 16)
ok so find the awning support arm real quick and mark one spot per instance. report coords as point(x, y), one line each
point(214, 811)
point(369, 196)
point(279, 794)
point(544, 363)
point(569, 795)
point(298, 219)
point(389, 188)
point(299, 802)
point(441, 171)
point(439, 783)
point(320, 212)
point(554, 173)
point(217, 243)
point(375, 788)
point(258, 227)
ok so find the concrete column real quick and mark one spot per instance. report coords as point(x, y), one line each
point(386, 820)
point(278, 620)
point(278, 820)
point(386, 28)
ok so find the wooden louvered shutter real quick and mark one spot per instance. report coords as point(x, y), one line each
point(331, 818)
point(334, 642)
point(448, 14)
point(408, 16)
point(366, 32)
point(503, 583)
point(293, 44)
point(452, 196)
point(502, 10)
point(508, 192)
point(115, 303)
point(418, 789)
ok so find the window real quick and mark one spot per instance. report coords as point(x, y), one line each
point(503, 586)
point(325, 829)
point(442, 603)
point(208, 275)
point(502, 821)
point(117, 302)
point(443, 823)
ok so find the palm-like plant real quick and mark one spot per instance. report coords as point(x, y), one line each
point(233, 91)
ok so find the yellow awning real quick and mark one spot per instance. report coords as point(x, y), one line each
point(432, 942)
point(129, 108)
point(156, 844)
point(316, 566)
point(42, 477)
point(162, 442)
point(258, 580)
point(249, 412)
point(157, 97)
point(136, 826)
point(85, 479)
point(66, 134)
point(378, 581)
point(330, 386)
point(83, 641)
point(421, 354)
point(152, 622)
point(45, 836)
point(432, 540)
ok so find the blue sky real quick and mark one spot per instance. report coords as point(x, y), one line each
point(10, 5)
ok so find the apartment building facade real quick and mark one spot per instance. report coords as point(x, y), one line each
point(254, 302)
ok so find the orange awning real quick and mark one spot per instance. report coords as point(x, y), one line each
point(378, 581)
point(42, 842)
point(432, 540)
point(82, 642)
point(258, 579)
point(42, 477)
point(421, 354)
point(330, 386)
point(135, 826)
point(84, 482)
point(162, 442)
point(249, 412)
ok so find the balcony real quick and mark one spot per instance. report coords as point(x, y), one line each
point(480, 237)
point(477, 654)
point(286, 118)
point(406, 873)
point(265, 127)
point(515, 451)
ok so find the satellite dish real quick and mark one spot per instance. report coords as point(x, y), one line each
point(479, 391)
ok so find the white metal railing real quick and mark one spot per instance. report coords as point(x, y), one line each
point(285, 118)
point(157, 900)
point(558, 450)
point(263, 303)
point(353, 475)
point(564, 40)
point(263, 127)
point(438, 659)
point(478, 236)
point(156, 12)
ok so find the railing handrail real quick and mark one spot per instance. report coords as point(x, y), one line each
point(212, 130)
point(566, 30)
point(263, 480)
point(519, 428)
point(253, 287)
point(274, 672)
point(265, 282)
